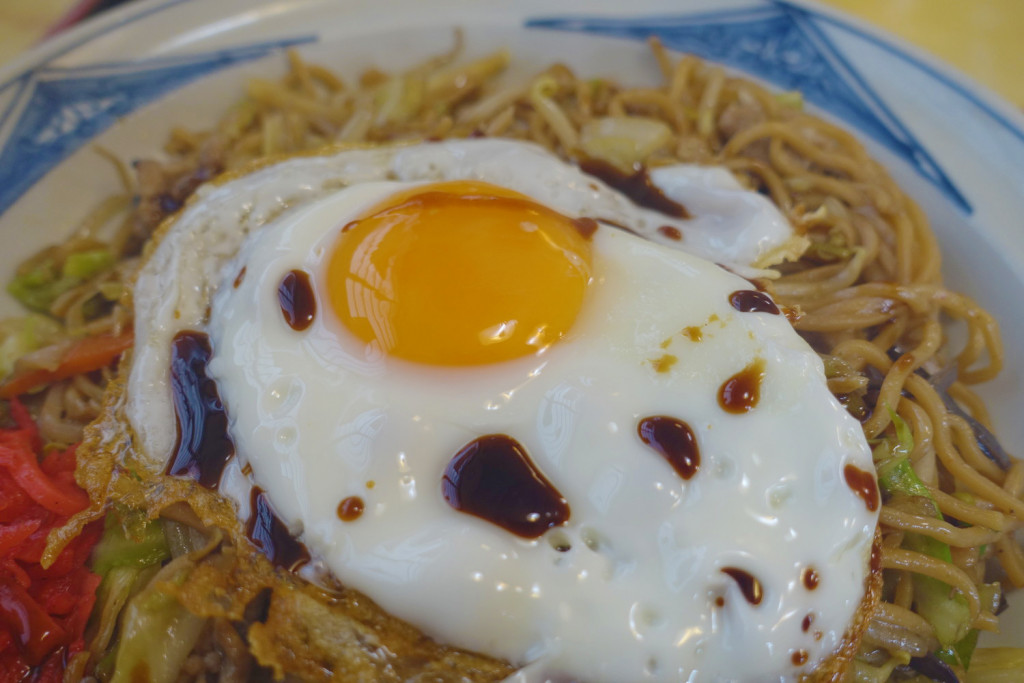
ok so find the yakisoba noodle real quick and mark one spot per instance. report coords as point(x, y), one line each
point(867, 292)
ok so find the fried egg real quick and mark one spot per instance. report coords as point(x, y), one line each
point(525, 432)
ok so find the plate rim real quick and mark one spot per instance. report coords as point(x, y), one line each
point(993, 103)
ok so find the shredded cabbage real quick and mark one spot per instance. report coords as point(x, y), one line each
point(864, 672)
point(157, 633)
point(623, 141)
point(40, 286)
point(129, 540)
point(946, 610)
point(19, 336)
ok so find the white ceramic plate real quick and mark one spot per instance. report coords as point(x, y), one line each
point(124, 80)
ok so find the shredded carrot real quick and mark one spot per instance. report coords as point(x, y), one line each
point(43, 612)
point(15, 533)
point(23, 468)
point(35, 631)
point(85, 355)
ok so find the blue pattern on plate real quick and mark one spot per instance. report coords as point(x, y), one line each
point(57, 110)
point(785, 45)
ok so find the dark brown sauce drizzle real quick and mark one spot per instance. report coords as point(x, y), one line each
point(585, 226)
point(298, 303)
point(810, 578)
point(674, 440)
point(494, 479)
point(637, 186)
point(741, 392)
point(238, 278)
point(863, 484)
point(750, 301)
point(204, 446)
point(350, 509)
point(671, 232)
point(748, 583)
point(806, 624)
point(799, 658)
point(268, 533)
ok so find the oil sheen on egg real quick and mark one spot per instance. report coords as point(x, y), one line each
point(654, 483)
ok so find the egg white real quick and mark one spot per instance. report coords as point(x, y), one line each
point(318, 417)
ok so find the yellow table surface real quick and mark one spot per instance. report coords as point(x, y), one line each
point(982, 38)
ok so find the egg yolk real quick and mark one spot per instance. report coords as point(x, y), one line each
point(460, 273)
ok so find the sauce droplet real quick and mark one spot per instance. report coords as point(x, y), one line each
point(748, 583)
point(799, 658)
point(664, 363)
point(239, 278)
point(204, 446)
point(674, 440)
point(810, 578)
point(494, 479)
point(298, 304)
point(863, 484)
point(268, 533)
point(671, 232)
point(806, 624)
point(741, 392)
point(350, 509)
point(750, 301)
point(693, 333)
point(637, 186)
